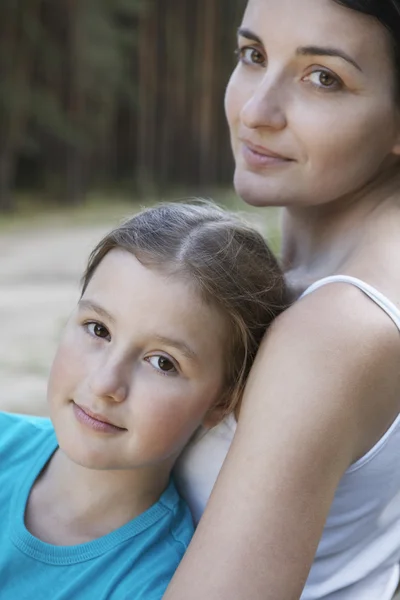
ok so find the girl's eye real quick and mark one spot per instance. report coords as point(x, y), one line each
point(250, 56)
point(162, 363)
point(98, 330)
point(323, 80)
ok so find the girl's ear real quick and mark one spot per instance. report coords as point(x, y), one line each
point(214, 416)
point(223, 408)
point(396, 147)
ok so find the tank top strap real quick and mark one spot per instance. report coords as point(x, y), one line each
point(386, 305)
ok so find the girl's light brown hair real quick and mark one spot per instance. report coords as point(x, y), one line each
point(229, 263)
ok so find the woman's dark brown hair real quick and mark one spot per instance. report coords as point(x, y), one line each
point(229, 263)
point(387, 12)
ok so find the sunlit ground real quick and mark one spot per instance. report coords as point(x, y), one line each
point(42, 255)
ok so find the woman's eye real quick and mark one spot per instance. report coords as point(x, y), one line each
point(323, 80)
point(250, 56)
point(162, 363)
point(98, 330)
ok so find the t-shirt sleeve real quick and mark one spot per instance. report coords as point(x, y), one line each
point(20, 435)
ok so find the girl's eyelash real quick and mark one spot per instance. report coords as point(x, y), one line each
point(171, 373)
point(87, 324)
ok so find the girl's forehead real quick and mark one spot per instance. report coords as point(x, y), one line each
point(145, 300)
point(121, 277)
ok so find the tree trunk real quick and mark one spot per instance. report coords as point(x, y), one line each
point(74, 177)
point(7, 172)
point(75, 106)
point(17, 49)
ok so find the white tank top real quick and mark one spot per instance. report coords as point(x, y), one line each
point(359, 553)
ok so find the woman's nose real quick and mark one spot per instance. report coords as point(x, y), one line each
point(265, 108)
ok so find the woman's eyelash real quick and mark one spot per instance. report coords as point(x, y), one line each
point(252, 56)
point(332, 82)
point(256, 58)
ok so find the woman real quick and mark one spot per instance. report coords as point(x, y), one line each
point(312, 479)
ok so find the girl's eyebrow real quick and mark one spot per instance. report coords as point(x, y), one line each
point(246, 33)
point(321, 51)
point(179, 345)
point(174, 343)
point(90, 305)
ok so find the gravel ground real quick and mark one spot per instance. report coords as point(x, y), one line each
point(39, 285)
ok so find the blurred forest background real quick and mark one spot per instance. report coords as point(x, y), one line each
point(113, 95)
point(105, 105)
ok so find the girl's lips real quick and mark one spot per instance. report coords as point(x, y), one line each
point(94, 422)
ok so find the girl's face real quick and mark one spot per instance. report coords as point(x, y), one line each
point(139, 366)
point(311, 104)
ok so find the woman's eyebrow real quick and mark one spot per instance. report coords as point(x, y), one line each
point(249, 35)
point(321, 51)
point(304, 50)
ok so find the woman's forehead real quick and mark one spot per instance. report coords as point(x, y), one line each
point(293, 23)
point(312, 20)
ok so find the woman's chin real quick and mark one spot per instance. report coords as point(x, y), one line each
point(254, 190)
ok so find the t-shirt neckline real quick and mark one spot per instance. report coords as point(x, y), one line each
point(68, 555)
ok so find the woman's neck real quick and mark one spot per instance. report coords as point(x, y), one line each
point(70, 504)
point(320, 241)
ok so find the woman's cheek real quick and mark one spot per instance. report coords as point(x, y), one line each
point(236, 95)
point(334, 136)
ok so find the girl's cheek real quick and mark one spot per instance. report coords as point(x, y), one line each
point(69, 366)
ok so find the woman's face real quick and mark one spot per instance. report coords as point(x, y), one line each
point(311, 104)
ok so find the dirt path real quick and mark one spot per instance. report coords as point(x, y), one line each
point(39, 284)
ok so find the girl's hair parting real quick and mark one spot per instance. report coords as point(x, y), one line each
point(229, 263)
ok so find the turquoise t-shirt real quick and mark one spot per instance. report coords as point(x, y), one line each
point(135, 561)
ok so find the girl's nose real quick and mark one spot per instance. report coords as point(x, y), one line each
point(110, 381)
point(265, 107)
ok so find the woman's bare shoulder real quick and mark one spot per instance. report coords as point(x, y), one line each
point(337, 311)
point(323, 388)
point(332, 356)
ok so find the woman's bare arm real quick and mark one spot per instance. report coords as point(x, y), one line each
point(324, 388)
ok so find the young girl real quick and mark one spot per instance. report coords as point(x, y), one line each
point(174, 304)
point(309, 496)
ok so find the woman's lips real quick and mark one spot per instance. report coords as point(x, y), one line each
point(94, 421)
point(259, 157)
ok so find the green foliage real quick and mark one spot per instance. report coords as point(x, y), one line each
point(63, 68)
point(95, 58)
point(100, 91)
